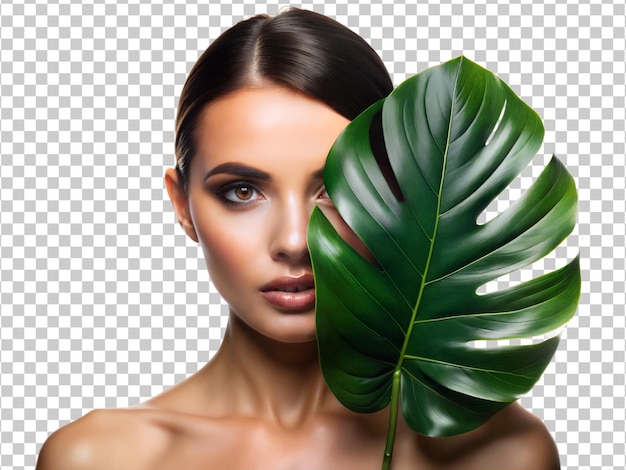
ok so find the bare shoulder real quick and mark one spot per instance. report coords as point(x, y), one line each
point(519, 440)
point(514, 439)
point(120, 438)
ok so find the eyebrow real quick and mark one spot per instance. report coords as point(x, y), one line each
point(318, 174)
point(246, 171)
point(239, 170)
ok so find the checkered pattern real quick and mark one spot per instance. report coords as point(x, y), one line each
point(104, 301)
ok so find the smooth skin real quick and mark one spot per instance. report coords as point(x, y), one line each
point(261, 402)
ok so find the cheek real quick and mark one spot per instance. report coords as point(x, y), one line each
point(233, 246)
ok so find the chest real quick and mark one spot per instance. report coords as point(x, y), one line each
point(321, 446)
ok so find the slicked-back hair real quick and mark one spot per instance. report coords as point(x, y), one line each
point(298, 49)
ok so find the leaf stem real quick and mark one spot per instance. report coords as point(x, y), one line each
point(393, 419)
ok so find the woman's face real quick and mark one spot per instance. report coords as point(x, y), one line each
point(254, 181)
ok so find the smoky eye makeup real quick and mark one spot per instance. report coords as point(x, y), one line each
point(237, 194)
point(235, 184)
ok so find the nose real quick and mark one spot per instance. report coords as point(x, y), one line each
point(289, 236)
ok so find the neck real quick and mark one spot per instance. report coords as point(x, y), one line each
point(268, 379)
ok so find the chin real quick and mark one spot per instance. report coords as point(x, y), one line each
point(278, 326)
point(293, 328)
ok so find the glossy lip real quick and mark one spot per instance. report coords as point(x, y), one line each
point(290, 293)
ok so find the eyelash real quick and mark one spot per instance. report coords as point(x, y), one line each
point(223, 191)
point(227, 188)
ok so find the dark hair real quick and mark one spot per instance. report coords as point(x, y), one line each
point(298, 49)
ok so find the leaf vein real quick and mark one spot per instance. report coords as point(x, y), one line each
point(463, 366)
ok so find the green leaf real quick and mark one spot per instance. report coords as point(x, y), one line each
point(410, 176)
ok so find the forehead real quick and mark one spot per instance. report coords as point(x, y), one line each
point(266, 127)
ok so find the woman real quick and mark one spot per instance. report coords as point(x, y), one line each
point(256, 118)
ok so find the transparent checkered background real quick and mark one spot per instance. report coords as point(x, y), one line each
point(104, 301)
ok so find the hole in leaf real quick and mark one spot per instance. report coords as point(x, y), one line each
point(495, 128)
point(567, 250)
point(377, 144)
point(346, 232)
point(497, 343)
point(514, 190)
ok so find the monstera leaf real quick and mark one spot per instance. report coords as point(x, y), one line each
point(410, 176)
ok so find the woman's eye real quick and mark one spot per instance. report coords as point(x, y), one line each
point(239, 193)
point(243, 193)
point(323, 194)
